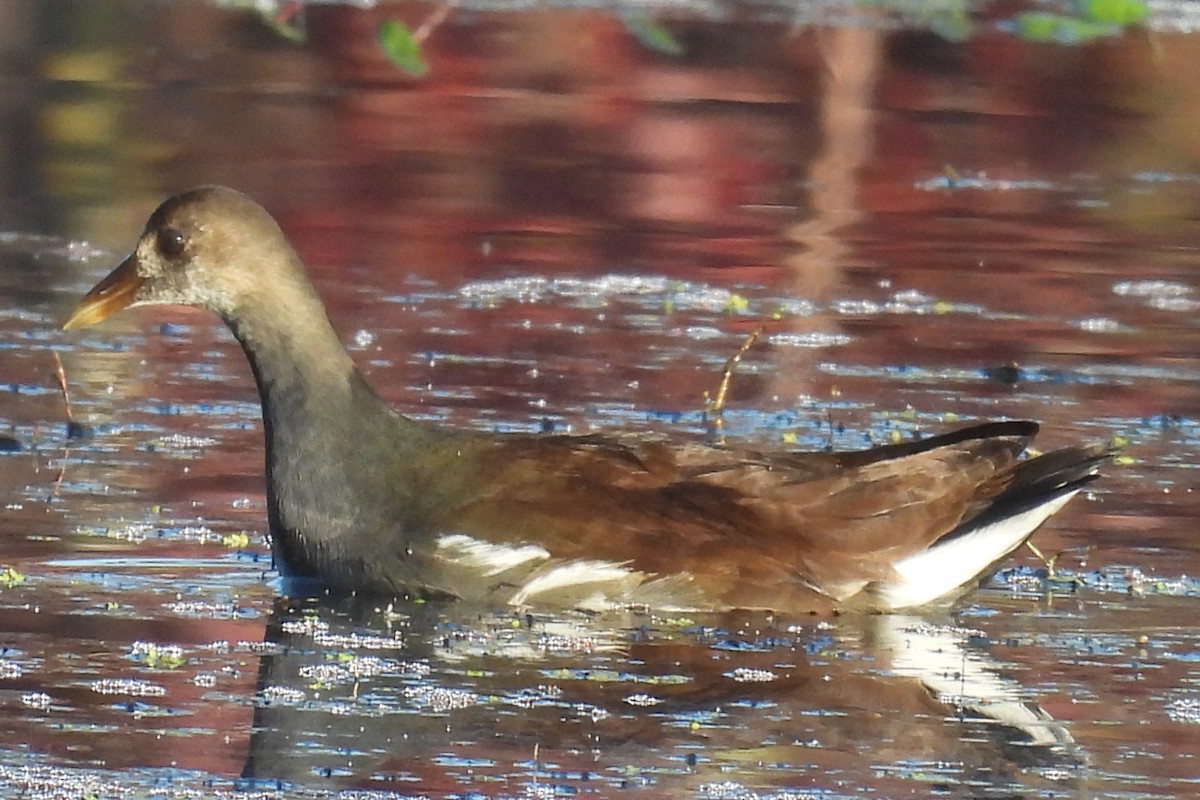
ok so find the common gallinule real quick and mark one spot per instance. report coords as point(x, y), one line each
point(366, 499)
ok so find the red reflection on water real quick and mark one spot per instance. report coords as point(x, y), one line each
point(994, 180)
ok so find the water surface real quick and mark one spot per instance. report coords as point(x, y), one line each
point(563, 229)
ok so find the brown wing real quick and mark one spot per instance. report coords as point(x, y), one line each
point(753, 524)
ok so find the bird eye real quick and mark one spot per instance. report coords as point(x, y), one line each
point(171, 242)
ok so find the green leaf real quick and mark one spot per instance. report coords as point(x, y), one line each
point(653, 36)
point(1038, 26)
point(1045, 27)
point(401, 48)
point(1114, 12)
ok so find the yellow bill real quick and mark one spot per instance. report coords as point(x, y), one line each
point(107, 297)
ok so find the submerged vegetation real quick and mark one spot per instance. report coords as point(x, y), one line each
point(1065, 22)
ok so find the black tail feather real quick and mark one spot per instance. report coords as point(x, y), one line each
point(1039, 481)
point(1020, 431)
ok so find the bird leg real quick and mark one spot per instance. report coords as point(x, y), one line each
point(1048, 563)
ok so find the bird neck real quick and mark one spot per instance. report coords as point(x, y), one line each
point(324, 426)
point(299, 363)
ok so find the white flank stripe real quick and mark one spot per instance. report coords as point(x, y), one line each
point(574, 575)
point(488, 558)
point(926, 576)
